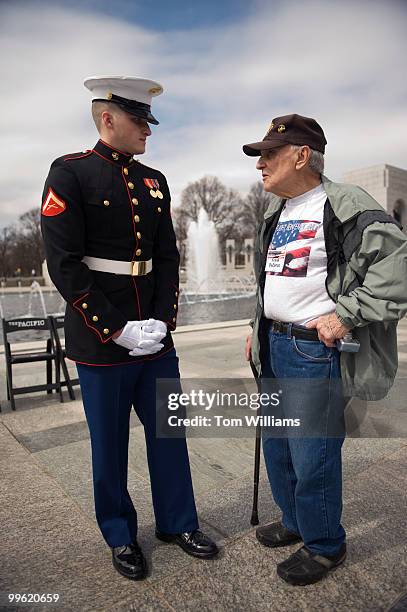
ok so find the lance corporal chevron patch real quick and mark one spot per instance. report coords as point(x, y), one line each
point(53, 205)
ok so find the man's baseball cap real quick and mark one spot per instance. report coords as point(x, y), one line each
point(132, 94)
point(289, 129)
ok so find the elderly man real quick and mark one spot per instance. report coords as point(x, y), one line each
point(111, 252)
point(329, 260)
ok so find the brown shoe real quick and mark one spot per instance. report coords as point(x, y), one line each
point(275, 534)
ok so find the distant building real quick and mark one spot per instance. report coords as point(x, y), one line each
point(387, 184)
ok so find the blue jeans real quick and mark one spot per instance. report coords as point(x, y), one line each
point(305, 473)
point(108, 395)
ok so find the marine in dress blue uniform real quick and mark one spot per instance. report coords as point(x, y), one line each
point(111, 252)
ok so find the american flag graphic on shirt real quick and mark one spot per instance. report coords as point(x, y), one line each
point(295, 237)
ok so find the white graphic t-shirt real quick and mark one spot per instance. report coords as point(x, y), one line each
point(296, 262)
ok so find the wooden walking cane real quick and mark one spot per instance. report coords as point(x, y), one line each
point(256, 475)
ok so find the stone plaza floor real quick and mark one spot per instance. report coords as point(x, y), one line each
point(50, 542)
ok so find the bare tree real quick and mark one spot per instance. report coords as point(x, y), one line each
point(254, 207)
point(21, 246)
point(221, 204)
point(181, 224)
point(31, 236)
point(7, 245)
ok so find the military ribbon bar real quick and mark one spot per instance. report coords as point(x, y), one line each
point(151, 183)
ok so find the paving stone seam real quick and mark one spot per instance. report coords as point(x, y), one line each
point(222, 533)
point(146, 480)
point(131, 606)
point(25, 450)
point(230, 539)
point(41, 468)
point(385, 456)
point(396, 601)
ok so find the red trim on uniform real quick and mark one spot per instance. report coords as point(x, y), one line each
point(138, 301)
point(139, 360)
point(135, 236)
point(177, 289)
point(103, 157)
point(103, 339)
point(81, 298)
point(114, 148)
point(89, 152)
point(87, 324)
point(132, 213)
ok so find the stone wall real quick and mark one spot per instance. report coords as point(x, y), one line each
point(387, 184)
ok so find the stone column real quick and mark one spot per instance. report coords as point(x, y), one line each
point(248, 253)
point(230, 254)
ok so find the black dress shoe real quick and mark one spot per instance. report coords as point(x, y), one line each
point(129, 561)
point(194, 543)
point(275, 534)
point(305, 567)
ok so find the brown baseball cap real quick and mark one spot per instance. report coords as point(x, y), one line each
point(289, 129)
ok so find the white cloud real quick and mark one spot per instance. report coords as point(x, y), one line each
point(340, 63)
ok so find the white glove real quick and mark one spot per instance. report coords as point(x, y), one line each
point(133, 333)
point(146, 347)
point(155, 328)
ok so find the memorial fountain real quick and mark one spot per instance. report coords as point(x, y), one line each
point(206, 279)
point(203, 257)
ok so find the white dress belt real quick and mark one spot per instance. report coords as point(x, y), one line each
point(133, 268)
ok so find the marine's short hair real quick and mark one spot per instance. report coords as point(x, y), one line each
point(99, 107)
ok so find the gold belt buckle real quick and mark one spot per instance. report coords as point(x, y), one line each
point(139, 268)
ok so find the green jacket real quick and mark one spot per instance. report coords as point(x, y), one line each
point(366, 278)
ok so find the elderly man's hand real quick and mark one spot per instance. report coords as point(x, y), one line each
point(329, 328)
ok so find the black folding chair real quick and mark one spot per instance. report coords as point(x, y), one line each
point(15, 355)
point(58, 323)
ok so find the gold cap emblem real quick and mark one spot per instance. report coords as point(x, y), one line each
point(155, 90)
point(109, 95)
point(281, 128)
point(270, 128)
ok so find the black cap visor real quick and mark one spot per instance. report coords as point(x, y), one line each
point(254, 149)
point(141, 114)
point(137, 109)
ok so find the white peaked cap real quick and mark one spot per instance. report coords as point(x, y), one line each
point(132, 94)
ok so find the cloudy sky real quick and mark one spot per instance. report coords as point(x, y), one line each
point(227, 66)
